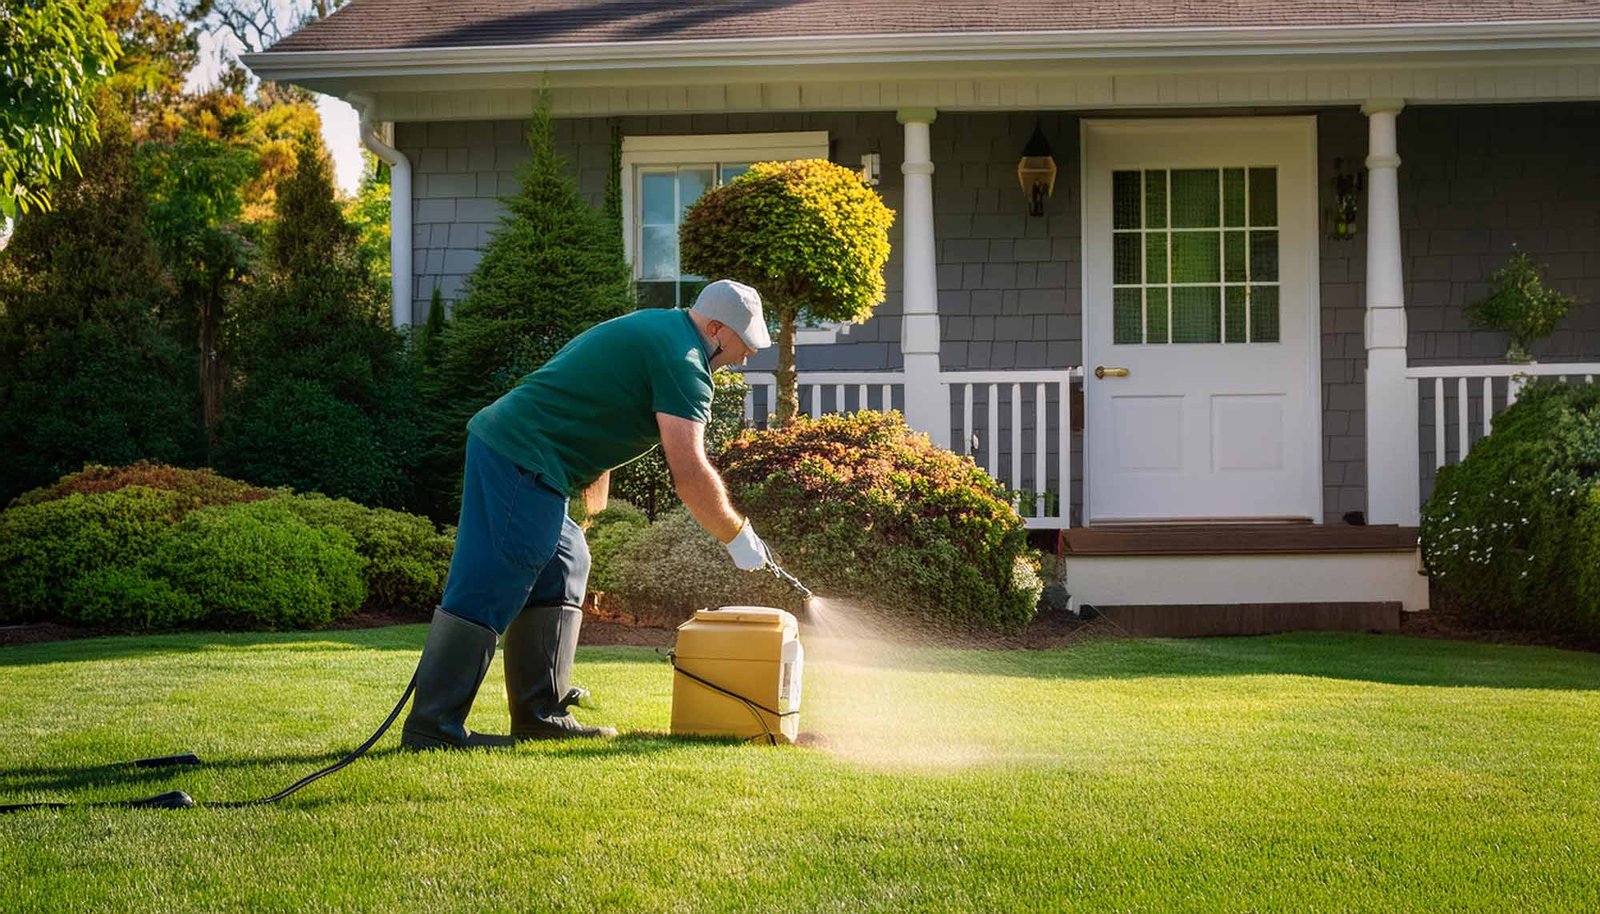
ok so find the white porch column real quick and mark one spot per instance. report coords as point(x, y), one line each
point(927, 405)
point(1393, 490)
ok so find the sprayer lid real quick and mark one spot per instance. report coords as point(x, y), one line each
point(765, 615)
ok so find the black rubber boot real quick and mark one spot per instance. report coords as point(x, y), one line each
point(454, 660)
point(540, 646)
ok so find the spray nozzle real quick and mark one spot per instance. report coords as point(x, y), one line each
point(787, 578)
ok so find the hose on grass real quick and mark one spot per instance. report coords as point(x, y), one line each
point(177, 799)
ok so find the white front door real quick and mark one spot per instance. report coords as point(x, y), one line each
point(1200, 313)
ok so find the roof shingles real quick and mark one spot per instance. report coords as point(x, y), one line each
point(382, 24)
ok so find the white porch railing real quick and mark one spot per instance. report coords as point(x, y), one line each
point(827, 392)
point(984, 399)
point(1466, 398)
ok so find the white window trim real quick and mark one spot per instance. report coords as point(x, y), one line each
point(695, 149)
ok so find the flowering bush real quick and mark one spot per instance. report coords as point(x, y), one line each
point(1510, 535)
point(203, 486)
point(860, 506)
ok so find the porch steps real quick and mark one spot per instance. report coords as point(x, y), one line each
point(1213, 620)
point(1185, 580)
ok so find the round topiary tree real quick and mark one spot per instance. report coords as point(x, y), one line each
point(809, 235)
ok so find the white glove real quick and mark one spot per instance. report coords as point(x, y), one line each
point(748, 551)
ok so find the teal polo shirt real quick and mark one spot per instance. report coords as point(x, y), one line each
point(593, 405)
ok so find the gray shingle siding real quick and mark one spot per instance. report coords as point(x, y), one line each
point(1474, 180)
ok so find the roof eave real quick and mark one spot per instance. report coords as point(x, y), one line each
point(757, 53)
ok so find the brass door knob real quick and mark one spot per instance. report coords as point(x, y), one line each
point(1102, 372)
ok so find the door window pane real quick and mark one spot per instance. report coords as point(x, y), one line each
point(1155, 257)
point(1264, 314)
point(1196, 257)
point(1125, 200)
point(1263, 196)
point(1195, 201)
point(1233, 197)
point(1264, 256)
point(1234, 315)
point(1197, 314)
point(1155, 315)
point(1155, 199)
point(1125, 259)
point(1126, 320)
point(1234, 266)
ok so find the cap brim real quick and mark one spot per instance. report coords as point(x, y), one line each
point(758, 338)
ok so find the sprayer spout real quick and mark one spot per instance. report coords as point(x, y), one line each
point(791, 580)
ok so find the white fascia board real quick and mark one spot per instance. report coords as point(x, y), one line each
point(1186, 43)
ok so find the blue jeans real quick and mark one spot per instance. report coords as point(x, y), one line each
point(515, 545)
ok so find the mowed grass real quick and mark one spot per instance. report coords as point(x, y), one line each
point(1296, 773)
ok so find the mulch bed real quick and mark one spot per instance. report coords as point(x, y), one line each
point(1051, 629)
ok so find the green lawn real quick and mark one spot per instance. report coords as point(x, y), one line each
point(1292, 773)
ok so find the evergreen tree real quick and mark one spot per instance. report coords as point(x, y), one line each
point(327, 400)
point(552, 270)
point(87, 371)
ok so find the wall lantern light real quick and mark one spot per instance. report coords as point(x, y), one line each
point(1346, 202)
point(1037, 172)
point(871, 168)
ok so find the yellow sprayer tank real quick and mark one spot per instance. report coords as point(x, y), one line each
point(752, 652)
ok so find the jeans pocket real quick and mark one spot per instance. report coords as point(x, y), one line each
point(532, 525)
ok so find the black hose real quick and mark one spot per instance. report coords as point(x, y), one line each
point(177, 799)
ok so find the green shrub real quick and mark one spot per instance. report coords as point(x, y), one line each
point(647, 482)
point(407, 558)
point(127, 597)
point(862, 507)
point(1586, 563)
point(1499, 532)
point(45, 548)
point(259, 565)
point(331, 446)
point(673, 568)
point(610, 533)
point(205, 487)
point(96, 392)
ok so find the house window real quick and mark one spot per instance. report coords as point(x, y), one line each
point(665, 195)
point(662, 176)
point(1195, 255)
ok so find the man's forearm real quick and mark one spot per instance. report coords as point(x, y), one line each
point(701, 491)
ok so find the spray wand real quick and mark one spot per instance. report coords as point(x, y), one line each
point(787, 578)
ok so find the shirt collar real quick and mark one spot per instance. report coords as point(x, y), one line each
point(705, 350)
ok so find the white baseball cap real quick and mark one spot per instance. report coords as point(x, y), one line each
point(738, 307)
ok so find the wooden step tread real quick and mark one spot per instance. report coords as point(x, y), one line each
point(1236, 539)
point(1216, 620)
